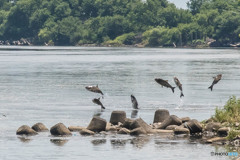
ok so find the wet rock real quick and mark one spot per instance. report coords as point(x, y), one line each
point(217, 139)
point(140, 123)
point(185, 119)
point(160, 115)
point(138, 131)
point(223, 132)
point(117, 116)
point(75, 128)
point(127, 123)
point(194, 126)
point(97, 124)
point(163, 131)
point(156, 125)
point(110, 127)
point(39, 127)
point(86, 132)
point(171, 127)
point(171, 120)
point(213, 126)
point(124, 131)
point(26, 130)
point(60, 130)
point(181, 130)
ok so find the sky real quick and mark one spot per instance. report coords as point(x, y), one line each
point(180, 3)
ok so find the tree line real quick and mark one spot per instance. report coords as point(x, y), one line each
point(120, 22)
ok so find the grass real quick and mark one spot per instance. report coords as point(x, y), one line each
point(230, 115)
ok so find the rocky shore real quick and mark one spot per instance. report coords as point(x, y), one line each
point(163, 123)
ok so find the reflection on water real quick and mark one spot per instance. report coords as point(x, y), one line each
point(59, 142)
point(140, 141)
point(24, 139)
point(118, 143)
point(98, 141)
point(134, 113)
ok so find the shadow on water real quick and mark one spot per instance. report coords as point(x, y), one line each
point(98, 112)
point(134, 113)
point(59, 142)
point(118, 143)
point(24, 139)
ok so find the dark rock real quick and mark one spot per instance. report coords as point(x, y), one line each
point(86, 132)
point(117, 116)
point(26, 130)
point(123, 131)
point(185, 119)
point(75, 128)
point(171, 120)
point(160, 115)
point(213, 126)
point(171, 127)
point(138, 131)
point(39, 127)
point(181, 130)
point(223, 132)
point(60, 130)
point(194, 126)
point(97, 124)
point(127, 123)
point(140, 123)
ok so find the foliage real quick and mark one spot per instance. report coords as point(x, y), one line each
point(74, 22)
point(230, 112)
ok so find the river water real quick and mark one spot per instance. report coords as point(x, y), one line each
point(47, 84)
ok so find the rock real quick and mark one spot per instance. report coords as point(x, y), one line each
point(26, 130)
point(171, 120)
point(156, 125)
point(117, 116)
point(138, 131)
point(86, 132)
point(194, 126)
point(217, 139)
point(185, 119)
point(124, 131)
point(213, 126)
point(60, 130)
point(97, 124)
point(160, 115)
point(163, 131)
point(223, 132)
point(237, 124)
point(171, 127)
point(110, 127)
point(127, 123)
point(39, 127)
point(75, 128)
point(181, 130)
point(140, 123)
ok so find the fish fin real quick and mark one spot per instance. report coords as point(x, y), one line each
point(173, 89)
point(211, 87)
point(99, 98)
point(182, 95)
point(103, 107)
point(166, 80)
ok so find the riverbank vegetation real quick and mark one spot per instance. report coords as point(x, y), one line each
point(120, 22)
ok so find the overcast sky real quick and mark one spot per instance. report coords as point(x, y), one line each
point(180, 3)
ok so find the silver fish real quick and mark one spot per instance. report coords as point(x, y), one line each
point(177, 82)
point(97, 101)
point(164, 83)
point(94, 89)
point(215, 81)
point(134, 102)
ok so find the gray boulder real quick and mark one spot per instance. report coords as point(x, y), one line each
point(160, 115)
point(213, 126)
point(123, 131)
point(127, 123)
point(75, 128)
point(194, 126)
point(60, 130)
point(185, 119)
point(181, 130)
point(117, 116)
point(39, 127)
point(26, 130)
point(171, 127)
point(137, 131)
point(171, 120)
point(142, 124)
point(86, 132)
point(97, 124)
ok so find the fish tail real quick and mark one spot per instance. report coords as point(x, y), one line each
point(102, 107)
point(211, 87)
point(173, 89)
point(182, 95)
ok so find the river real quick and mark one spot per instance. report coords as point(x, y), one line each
point(47, 84)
